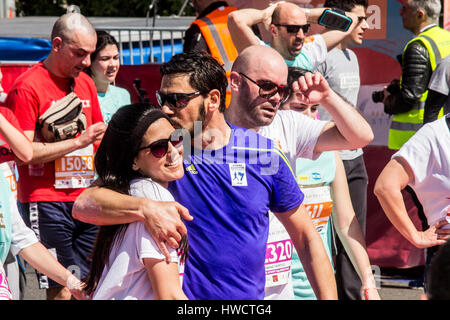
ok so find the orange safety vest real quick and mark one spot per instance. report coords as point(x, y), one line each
point(215, 31)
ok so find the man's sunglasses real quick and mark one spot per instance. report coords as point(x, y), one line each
point(159, 148)
point(176, 100)
point(293, 28)
point(268, 89)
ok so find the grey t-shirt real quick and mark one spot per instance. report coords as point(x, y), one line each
point(440, 81)
point(341, 70)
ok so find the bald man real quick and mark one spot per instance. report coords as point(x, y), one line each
point(288, 25)
point(258, 77)
point(59, 171)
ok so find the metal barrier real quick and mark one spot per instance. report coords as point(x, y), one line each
point(140, 45)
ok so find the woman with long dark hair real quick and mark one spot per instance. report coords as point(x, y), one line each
point(139, 154)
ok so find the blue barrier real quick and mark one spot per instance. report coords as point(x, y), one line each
point(33, 49)
point(24, 49)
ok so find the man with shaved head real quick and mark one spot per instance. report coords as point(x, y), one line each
point(258, 77)
point(59, 170)
point(288, 25)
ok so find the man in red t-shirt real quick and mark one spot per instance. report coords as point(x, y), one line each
point(59, 171)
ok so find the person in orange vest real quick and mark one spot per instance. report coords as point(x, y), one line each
point(209, 33)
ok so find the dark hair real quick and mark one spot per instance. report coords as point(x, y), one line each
point(103, 39)
point(294, 73)
point(113, 163)
point(205, 72)
point(346, 5)
point(438, 275)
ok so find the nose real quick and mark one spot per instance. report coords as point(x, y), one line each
point(166, 109)
point(86, 61)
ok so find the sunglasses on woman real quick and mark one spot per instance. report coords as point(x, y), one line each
point(268, 89)
point(176, 100)
point(159, 147)
point(293, 28)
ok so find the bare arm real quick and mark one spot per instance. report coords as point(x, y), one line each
point(165, 279)
point(18, 142)
point(349, 130)
point(240, 24)
point(311, 251)
point(350, 232)
point(43, 261)
point(391, 181)
point(102, 206)
point(44, 152)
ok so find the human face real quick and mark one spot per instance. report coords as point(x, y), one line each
point(288, 44)
point(106, 64)
point(193, 111)
point(293, 103)
point(357, 35)
point(258, 111)
point(161, 169)
point(408, 14)
point(74, 54)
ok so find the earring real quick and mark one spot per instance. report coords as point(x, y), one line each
point(135, 166)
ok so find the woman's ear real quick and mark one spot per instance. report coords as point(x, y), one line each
point(135, 166)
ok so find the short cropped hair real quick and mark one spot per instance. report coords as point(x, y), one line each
point(346, 5)
point(205, 72)
point(431, 7)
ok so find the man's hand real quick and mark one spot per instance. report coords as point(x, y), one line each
point(267, 14)
point(163, 222)
point(311, 88)
point(91, 134)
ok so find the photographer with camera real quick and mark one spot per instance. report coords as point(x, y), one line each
point(405, 99)
point(63, 144)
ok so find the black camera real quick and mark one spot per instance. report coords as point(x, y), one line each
point(393, 88)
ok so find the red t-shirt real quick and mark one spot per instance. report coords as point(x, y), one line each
point(6, 153)
point(31, 95)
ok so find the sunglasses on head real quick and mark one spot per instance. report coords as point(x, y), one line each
point(175, 100)
point(293, 28)
point(159, 147)
point(268, 89)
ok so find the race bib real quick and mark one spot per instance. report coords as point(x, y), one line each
point(278, 254)
point(7, 169)
point(318, 204)
point(75, 170)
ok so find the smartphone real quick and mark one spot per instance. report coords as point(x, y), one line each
point(335, 19)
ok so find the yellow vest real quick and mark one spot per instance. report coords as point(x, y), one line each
point(215, 31)
point(404, 125)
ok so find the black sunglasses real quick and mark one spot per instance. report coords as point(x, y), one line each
point(268, 89)
point(176, 100)
point(159, 148)
point(360, 19)
point(293, 28)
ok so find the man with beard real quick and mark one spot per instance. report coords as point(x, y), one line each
point(288, 25)
point(233, 177)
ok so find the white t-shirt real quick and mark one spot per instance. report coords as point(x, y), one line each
point(428, 154)
point(22, 236)
point(296, 135)
point(440, 80)
point(125, 276)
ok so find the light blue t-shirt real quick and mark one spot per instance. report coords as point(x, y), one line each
point(314, 178)
point(5, 218)
point(111, 100)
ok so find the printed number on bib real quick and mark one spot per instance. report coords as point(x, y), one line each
point(278, 254)
point(75, 170)
point(319, 205)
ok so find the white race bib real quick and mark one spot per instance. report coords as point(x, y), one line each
point(76, 169)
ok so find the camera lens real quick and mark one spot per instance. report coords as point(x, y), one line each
point(377, 96)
